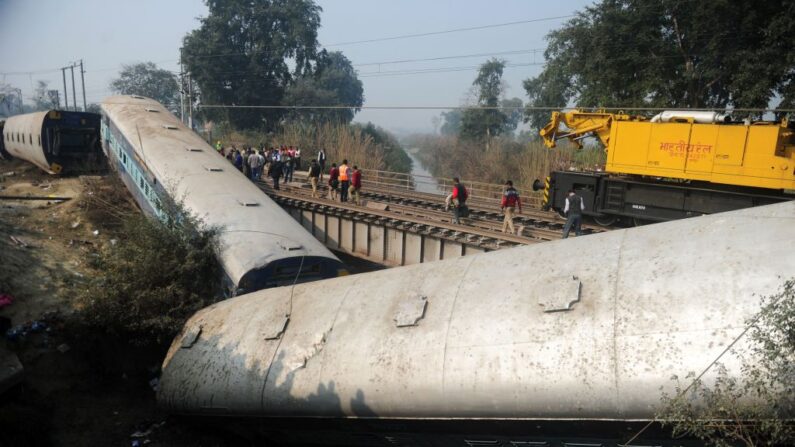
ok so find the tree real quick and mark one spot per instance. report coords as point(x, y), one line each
point(333, 82)
point(669, 53)
point(146, 79)
point(756, 408)
point(243, 52)
point(512, 109)
point(451, 122)
point(44, 98)
point(484, 123)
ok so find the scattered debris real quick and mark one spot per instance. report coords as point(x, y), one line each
point(95, 232)
point(20, 242)
point(8, 174)
point(37, 326)
point(48, 198)
point(5, 300)
point(63, 348)
point(76, 223)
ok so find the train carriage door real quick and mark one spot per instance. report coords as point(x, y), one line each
point(701, 150)
point(730, 145)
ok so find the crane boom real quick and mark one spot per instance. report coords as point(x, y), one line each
point(579, 124)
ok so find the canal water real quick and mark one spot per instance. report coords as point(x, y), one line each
point(423, 179)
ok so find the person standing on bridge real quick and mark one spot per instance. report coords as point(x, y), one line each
point(573, 210)
point(458, 199)
point(321, 160)
point(238, 160)
point(356, 185)
point(333, 181)
point(510, 202)
point(345, 180)
point(276, 173)
point(314, 174)
point(254, 164)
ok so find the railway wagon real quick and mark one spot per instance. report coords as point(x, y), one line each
point(530, 346)
point(56, 141)
point(677, 164)
point(162, 162)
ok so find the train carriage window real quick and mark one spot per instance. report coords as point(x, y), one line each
point(39, 140)
point(141, 182)
point(30, 138)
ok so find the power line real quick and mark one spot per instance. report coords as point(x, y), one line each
point(378, 74)
point(528, 108)
point(455, 30)
point(441, 58)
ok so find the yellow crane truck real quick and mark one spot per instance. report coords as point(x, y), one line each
point(677, 164)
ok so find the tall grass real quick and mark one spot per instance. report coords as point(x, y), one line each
point(505, 159)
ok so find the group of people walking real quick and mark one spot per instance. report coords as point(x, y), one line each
point(279, 163)
point(276, 163)
point(511, 204)
point(345, 183)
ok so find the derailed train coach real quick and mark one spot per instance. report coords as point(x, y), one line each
point(536, 345)
point(162, 162)
point(57, 141)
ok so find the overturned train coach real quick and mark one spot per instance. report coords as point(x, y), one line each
point(162, 162)
point(532, 346)
point(57, 141)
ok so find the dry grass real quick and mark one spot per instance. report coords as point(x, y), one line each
point(505, 159)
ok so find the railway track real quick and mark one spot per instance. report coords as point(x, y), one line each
point(482, 227)
point(486, 215)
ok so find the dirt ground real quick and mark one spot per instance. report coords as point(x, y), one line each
point(46, 252)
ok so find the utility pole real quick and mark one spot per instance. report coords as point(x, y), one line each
point(83, 82)
point(74, 93)
point(181, 95)
point(190, 101)
point(65, 94)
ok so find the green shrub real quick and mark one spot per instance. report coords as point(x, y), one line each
point(151, 281)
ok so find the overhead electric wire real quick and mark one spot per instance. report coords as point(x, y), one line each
point(455, 30)
point(528, 108)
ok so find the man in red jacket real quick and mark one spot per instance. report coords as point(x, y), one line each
point(333, 181)
point(510, 201)
point(458, 199)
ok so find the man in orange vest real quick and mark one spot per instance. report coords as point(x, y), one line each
point(345, 180)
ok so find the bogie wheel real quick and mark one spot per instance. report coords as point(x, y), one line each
point(605, 220)
point(638, 221)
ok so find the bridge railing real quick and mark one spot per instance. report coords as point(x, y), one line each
point(376, 179)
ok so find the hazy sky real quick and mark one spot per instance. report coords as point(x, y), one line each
point(39, 36)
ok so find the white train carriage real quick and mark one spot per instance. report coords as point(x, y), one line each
point(162, 161)
point(56, 141)
point(532, 346)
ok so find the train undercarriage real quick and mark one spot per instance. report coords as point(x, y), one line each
point(637, 200)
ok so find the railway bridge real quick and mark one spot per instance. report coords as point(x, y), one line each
point(398, 225)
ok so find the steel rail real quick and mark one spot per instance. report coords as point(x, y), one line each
point(449, 230)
